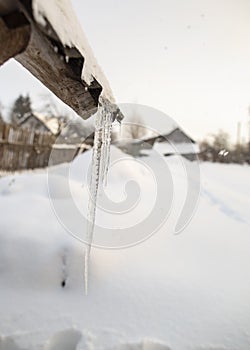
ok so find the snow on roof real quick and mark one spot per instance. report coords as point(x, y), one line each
point(61, 16)
point(51, 123)
point(174, 148)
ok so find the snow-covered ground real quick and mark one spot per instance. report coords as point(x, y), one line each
point(187, 291)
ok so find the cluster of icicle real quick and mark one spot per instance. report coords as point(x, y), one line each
point(105, 116)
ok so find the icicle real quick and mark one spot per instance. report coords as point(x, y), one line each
point(106, 140)
point(99, 170)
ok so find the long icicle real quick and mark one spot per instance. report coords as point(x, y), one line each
point(99, 169)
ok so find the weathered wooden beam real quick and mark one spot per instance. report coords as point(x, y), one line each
point(13, 39)
point(47, 64)
point(59, 68)
point(7, 6)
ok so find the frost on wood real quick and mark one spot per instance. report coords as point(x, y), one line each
point(99, 169)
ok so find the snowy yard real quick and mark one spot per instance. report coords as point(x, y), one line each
point(188, 291)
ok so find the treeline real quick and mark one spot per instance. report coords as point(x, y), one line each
point(218, 148)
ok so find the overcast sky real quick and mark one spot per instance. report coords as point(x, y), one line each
point(188, 58)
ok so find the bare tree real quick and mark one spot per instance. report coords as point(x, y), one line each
point(134, 128)
point(221, 141)
point(217, 148)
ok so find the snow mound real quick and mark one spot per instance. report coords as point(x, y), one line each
point(64, 340)
point(7, 343)
point(144, 345)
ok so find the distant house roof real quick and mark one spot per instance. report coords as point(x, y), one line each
point(51, 123)
point(167, 148)
point(31, 121)
point(39, 122)
point(176, 136)
point(176, 141)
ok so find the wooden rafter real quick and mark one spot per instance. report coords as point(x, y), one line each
point(41, 52)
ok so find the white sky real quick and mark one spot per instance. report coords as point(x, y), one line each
point(188, 58)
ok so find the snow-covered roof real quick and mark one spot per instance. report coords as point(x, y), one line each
point(174, 148)
point(51, 123)
point(176, 135)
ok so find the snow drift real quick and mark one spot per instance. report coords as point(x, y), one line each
point(190, 291)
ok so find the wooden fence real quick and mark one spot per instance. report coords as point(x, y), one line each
point(28, 149)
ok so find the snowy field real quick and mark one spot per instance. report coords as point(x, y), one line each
point(181, 292)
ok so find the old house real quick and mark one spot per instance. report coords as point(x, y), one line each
point(177, 142)
point(32, 121)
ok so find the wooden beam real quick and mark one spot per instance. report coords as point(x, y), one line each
point(7, 6)
point(13, 39)
point(47, 64)
point(59, 68)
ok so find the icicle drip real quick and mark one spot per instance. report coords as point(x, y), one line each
point(99, 170)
